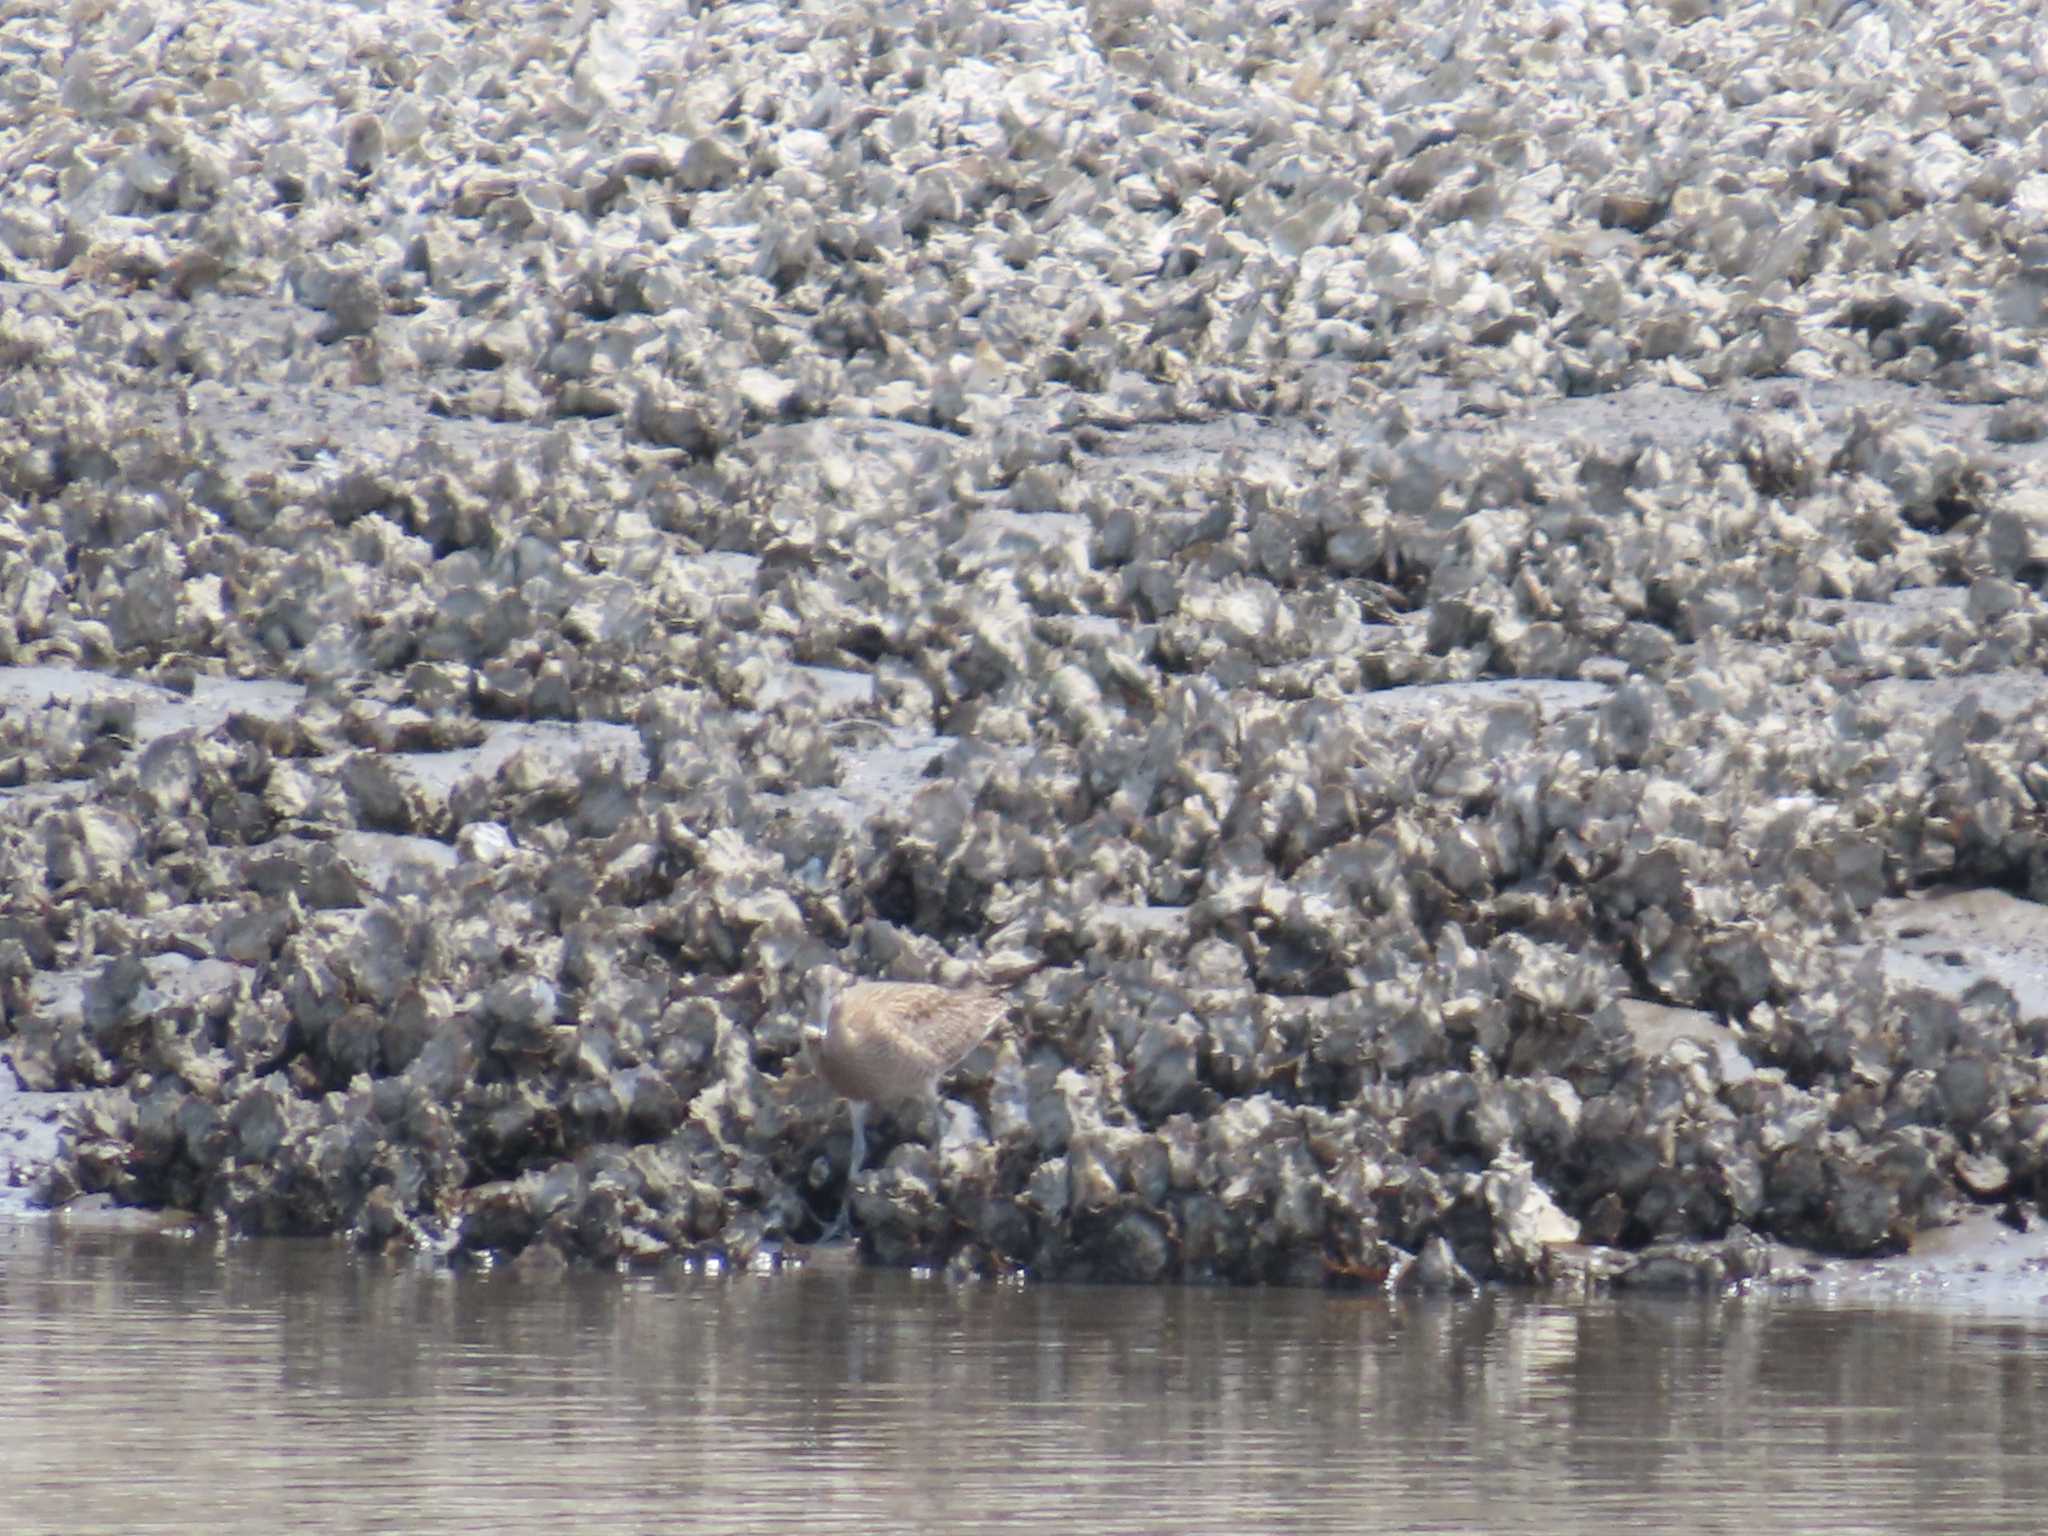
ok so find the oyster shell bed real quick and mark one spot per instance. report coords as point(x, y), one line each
point(1467, 582)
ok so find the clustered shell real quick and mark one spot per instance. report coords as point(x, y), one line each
point(1467, 584)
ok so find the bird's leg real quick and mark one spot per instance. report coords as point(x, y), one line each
point(858, 1112)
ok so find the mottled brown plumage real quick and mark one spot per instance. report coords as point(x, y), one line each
point(887, 1042)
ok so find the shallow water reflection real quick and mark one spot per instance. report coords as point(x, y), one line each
point(152, 1384)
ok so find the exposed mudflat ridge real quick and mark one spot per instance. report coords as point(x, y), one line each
point(1466, 585)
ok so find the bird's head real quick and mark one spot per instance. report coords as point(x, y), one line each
point(823, 987)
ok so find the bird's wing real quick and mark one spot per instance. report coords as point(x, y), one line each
point(936, 1026)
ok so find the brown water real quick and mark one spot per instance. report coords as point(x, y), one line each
point(156, 1384)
